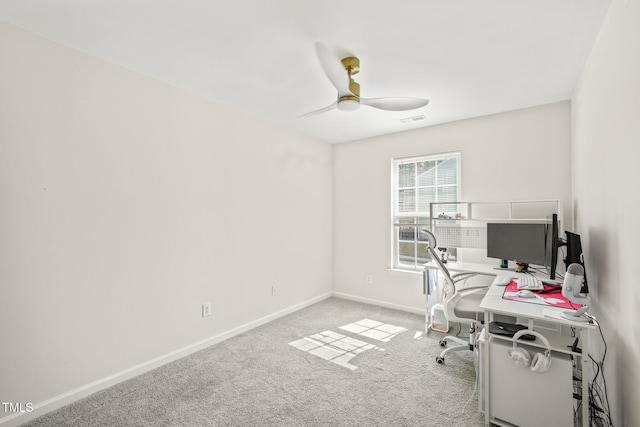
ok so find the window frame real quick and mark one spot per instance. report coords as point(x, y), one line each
point(420, 219)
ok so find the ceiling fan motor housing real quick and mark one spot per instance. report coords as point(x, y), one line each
point(351, 102)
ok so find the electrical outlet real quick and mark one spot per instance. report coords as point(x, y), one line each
point(206, 309)
point(369, 280)
point(273, 291)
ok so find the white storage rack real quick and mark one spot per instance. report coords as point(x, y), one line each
point(464, 224)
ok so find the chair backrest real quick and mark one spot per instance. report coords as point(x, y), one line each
point(449, 285)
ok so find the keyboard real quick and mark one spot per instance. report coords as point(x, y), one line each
point(530, 283)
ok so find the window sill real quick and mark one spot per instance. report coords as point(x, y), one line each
point(404, 273)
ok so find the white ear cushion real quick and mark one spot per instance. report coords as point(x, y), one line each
point(540, 363)
point(520, 356)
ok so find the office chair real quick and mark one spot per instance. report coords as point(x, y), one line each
point(462, 294)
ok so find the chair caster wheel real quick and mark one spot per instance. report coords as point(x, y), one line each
point(440, 360)
point(443, 343)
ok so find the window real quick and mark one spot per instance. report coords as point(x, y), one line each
point(418, 182)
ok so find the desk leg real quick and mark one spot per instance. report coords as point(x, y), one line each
point(488, 318)
point(584, 336)
point(429, 284)
point(427, 315)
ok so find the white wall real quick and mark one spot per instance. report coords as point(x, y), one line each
point(606, 147)
point(120, 215)
point(125, 204)
point(518, 155)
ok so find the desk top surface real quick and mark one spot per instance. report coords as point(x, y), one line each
point(494, 302)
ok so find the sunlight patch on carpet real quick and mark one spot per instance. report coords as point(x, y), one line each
point(373, 329)
point(340, 349)
point(334, 347)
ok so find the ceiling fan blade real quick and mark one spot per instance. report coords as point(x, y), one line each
point(322, 110)
point(333, 68)
point(394, 104)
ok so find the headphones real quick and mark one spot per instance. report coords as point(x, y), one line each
point(521, 357)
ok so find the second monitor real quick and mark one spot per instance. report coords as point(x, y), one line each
point(527, 243)
point(522, 242)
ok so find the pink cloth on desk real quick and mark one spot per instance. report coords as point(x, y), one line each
point(551, 299)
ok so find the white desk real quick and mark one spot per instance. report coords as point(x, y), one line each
point(462, 267)
point(536, 317)
point(541, 318)
point(467, 267)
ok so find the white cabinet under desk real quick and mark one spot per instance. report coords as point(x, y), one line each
point(515, 395)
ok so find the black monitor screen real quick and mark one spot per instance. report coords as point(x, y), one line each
point(553, 243)
point(574, 249)
point(522, 242)
point(574, 256)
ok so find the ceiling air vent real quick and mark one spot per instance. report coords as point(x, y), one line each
point(413, 119)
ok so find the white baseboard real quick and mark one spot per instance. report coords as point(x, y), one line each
point(74, 395)
point(420, 310)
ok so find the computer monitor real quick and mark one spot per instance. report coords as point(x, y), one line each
point(553, 243)
point(574, 256)
point(517, 241)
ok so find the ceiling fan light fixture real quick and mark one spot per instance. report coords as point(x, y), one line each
point(348, 103)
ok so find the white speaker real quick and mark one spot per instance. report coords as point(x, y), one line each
point(573, 280)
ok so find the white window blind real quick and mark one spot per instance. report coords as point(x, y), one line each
point(418, 182)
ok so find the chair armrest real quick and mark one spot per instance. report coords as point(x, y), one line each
point(463, 286)
point(466, 288)
point(470, 274)
point(459, 276)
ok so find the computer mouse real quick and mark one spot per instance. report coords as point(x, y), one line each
point(526, 294)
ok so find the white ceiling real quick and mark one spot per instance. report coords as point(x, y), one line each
point(468, 57)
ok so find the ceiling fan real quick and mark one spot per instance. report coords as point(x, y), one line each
point(340, 74)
